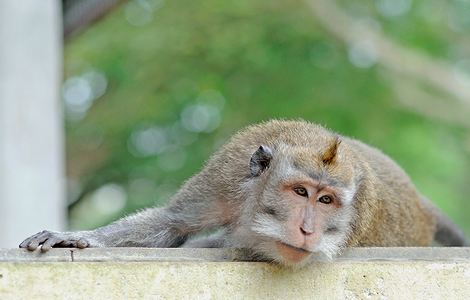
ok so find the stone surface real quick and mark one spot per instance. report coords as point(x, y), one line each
point(136, 273)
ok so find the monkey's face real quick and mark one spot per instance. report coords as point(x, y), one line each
point(298, 209)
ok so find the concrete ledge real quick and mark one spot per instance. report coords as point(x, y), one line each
point(136, 273)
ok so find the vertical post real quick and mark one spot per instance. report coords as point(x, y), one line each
point(31, 129)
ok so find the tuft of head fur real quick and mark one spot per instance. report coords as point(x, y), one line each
point(329, 156)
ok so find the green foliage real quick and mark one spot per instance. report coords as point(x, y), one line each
point(245, 61)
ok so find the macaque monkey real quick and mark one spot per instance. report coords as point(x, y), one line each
point(283, 190)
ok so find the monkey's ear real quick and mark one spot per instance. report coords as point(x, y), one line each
point(329, 156)
point(260, 160)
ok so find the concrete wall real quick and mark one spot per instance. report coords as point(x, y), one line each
point(31, 134)
point(132, 273)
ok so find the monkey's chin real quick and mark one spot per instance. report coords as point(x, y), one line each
point(291, 254)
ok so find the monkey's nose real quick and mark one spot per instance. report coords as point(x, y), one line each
point(305, 231)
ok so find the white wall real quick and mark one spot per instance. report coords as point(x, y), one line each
point(31, 136)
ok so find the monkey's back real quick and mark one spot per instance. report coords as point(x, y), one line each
point(391, 210)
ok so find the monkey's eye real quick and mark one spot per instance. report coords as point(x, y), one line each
point(325, 199)
point(301, 191)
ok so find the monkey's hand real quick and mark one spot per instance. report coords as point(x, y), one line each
point(49, 239)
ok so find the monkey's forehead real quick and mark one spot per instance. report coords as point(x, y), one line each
point(321, 176)
point(309, 163)
point(308, 156)
point(305, 160)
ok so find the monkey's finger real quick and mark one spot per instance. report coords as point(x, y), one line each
point(27, 241)
point(81, 243)
point(49, 243)
point(41, 238)
point(33, 245)
point(64, 243)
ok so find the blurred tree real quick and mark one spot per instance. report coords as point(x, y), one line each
point(156, 86)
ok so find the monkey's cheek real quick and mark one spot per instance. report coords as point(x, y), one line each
point(291, 254)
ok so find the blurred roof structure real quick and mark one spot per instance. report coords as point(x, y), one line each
point(77, 15)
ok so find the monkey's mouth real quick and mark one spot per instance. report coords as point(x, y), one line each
point(292, 253)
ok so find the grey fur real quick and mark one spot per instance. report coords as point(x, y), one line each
point(238, 190)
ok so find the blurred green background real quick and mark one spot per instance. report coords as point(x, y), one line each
point(152, 89)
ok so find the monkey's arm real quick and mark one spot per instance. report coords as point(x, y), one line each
point(192, 209)
point(150, 228)
point(215, 240)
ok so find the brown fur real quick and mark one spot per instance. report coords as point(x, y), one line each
point(389, 209)
point(243, 185)
point(329, 156)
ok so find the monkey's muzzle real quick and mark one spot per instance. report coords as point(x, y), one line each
point(291, 253)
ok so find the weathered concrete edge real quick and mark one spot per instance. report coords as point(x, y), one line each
point(223, 255)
